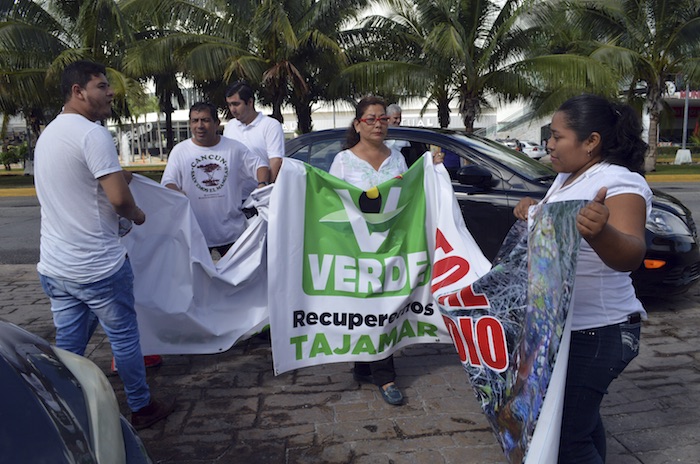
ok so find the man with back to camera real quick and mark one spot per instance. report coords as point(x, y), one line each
point(211, 170)
point(83, 267)
point(262, 134)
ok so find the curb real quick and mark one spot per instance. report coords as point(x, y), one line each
point(31, 192)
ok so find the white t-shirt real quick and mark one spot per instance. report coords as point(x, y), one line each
point(397, 144)
point(602, 295)
point(79, 227)
point(264, 137)
point(358, 172)
point(212, 179)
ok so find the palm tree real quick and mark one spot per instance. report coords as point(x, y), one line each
point(649, 42)
point(472, 51)
point(287, 50)
point(38, 39)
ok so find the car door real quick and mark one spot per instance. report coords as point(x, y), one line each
point(481, 191)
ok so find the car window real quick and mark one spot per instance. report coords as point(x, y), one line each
point(319, 154)
point(516, 161)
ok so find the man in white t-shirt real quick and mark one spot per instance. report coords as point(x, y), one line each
point(211, 170)
point(83, 267)
point(262, 134)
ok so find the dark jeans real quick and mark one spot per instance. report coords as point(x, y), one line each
point(382, 371)
point(597, 356)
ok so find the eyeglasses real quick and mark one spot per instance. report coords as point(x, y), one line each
point(371, 121)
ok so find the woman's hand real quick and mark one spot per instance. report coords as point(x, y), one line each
point(592, 218)
point(520, 210)
point(614, 228)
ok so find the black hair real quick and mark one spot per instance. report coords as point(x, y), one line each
point(205, 106)
point(352, 138)
point(244, 91)
point(619, 126)
point(79, 72)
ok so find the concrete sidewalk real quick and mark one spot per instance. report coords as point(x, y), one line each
point(232, 409)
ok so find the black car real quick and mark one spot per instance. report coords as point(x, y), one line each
point(57, 407)
point(489, 179)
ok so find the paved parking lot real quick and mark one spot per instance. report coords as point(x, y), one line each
point(232, 409)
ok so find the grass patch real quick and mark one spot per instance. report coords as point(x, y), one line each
point(16, 178)
point(662, 168)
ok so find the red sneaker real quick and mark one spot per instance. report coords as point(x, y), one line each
point(152, 360)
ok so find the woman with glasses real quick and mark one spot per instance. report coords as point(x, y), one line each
point(366, 163)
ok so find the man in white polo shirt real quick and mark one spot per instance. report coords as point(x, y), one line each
point(262, 134)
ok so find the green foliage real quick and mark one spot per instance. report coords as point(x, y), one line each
point(12, 154)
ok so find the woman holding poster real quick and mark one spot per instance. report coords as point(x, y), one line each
point(366, 163)
point(597, 150)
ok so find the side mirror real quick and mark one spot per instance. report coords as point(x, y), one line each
point(476, 176)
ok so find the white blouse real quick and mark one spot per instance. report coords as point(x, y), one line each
point(358, 172)
point(602, 295)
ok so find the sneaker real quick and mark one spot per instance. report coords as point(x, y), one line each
point(154, 412)
point(152, 360)
point(392, 394)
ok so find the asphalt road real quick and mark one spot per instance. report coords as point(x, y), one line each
point(19, 230)
point(20, 221)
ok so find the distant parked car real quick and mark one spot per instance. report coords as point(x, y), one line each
point(57, 407)
point(510, 143)
point(532, 149)
point(489, 180)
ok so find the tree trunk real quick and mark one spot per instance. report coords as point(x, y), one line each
point(650, 158)
point(131, 140)
point(654, 102)
point(167, 107)
point(469, 109)
point(444, 113)
point(277, 108)
point(160, 139)
point(302, 108)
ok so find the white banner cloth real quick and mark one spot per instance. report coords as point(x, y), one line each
point(186, 303)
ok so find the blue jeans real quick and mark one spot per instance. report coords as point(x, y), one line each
point(597, 356)
point(112, 301)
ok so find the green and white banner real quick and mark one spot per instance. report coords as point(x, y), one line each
point(350, 272)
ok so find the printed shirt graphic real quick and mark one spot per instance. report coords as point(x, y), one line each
point(211, 177)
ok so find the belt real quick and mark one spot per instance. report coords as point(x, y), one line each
point(635, 318)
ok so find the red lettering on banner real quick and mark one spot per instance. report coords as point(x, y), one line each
point(465, 298)
point(492, 343)
point(449, 269)
point(480, 343)
point(465, 323)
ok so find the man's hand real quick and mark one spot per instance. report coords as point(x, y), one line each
point(140, 217)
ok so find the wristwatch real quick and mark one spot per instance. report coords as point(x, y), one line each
point(263, 182)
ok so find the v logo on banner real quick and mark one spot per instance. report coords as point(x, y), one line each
point(369, 242)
